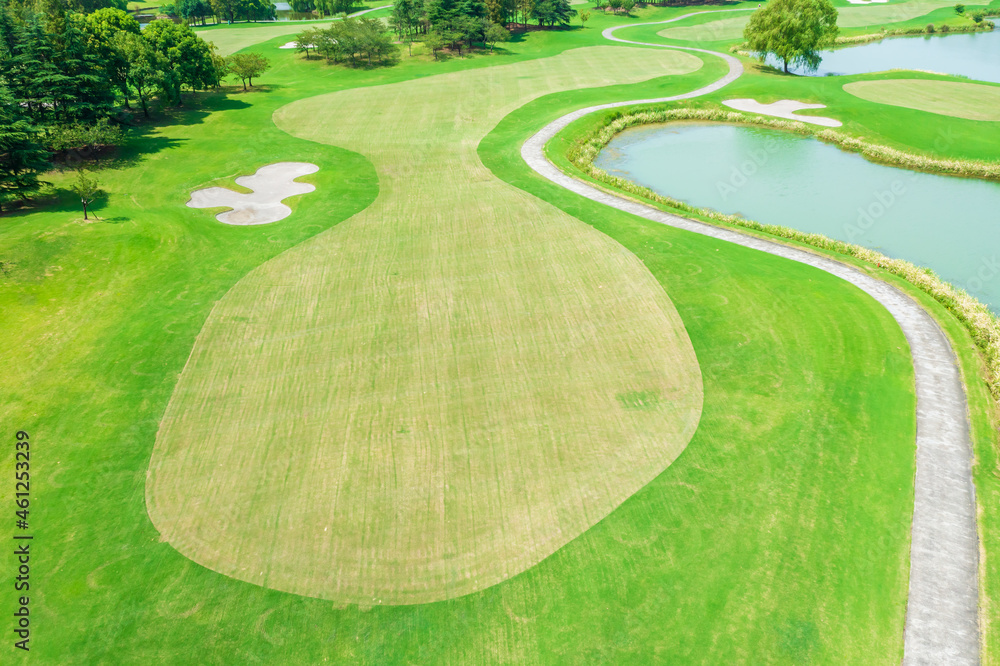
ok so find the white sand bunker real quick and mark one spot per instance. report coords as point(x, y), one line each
point(785, 108)
point(295, 45)
point(270, 185)
point(866, 2)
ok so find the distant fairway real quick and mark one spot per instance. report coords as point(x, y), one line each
point(704, 29)
point(971, 101)
point(234, 39)
point(441, 391)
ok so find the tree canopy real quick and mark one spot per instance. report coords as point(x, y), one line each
point(245, 66)
point(792, 30)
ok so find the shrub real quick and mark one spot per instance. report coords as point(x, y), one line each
point(945, 28)
point(930, 28)
point(978, 15)
point(959, 9)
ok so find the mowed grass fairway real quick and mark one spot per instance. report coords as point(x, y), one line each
point(441, 391)
point(779, 535)
point(971, 101)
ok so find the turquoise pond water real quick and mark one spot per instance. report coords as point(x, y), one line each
point(975, 55)
point(951, 225)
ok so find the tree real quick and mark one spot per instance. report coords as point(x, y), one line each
point(194, 10)
point(306, 41)
point(88, 6)
point(554, 12)
point(102, 27)
point(227, 9)
point(29, 70)
point(405, 17)
point(86, 188)
point(22, 156)
point(792, 30)
point(143, 76)
point(182, 57)
point(584, 17)
point(435, 43)
point(245, 66)
point(978, 16)
point(495, 33)
point(960, 9)
point(85, 92)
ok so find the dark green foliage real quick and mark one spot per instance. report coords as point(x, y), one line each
point(793, 30)
point(358, 41)
point(194, 10)
point(334, 7)
point(88, 6)
point(22, 156)
point(143, 75)
point(85, 93)
point(183, 58)
point(553, 12)
point(405, 17)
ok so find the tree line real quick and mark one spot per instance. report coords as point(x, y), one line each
point(456, 21)
point(68, 81)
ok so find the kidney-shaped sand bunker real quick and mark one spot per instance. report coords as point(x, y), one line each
point(270, 184)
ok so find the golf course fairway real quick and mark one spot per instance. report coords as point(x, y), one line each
point(479, 376)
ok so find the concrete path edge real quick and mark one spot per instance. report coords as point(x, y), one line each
point(942, 623)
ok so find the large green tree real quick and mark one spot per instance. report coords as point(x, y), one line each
point(22, 156)
point(143, 75)
point(182, 57)
point(792, 30)
point(553, 12)
point(102, 28)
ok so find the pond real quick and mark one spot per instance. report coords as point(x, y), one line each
point(975, 55)
point(951, 225)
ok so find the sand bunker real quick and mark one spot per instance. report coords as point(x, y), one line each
point(270, 185)
point(295, 45)
point(866, 2)
point(785, 108)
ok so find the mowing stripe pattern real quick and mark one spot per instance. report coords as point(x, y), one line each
point(439, 392)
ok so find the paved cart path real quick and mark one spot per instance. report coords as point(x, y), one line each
point(942, 607)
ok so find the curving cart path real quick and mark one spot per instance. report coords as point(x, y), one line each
point(942, 625)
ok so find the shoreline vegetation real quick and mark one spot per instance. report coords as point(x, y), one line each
point(982, 324)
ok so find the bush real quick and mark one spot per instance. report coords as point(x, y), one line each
point(945, 28)
point(978, 16)
point(959, 9)
point(930, 28)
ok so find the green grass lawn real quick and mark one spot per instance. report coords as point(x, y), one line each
point(780, 534)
